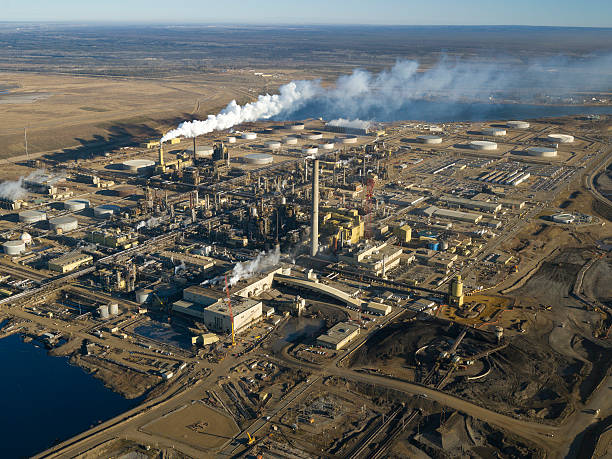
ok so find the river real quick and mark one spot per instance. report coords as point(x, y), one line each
point(46, 399)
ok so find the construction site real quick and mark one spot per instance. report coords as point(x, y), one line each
point(303, 289)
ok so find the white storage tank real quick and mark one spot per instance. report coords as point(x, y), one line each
point(514, 124)
point(259, 158)
point(143, 295)
point(63, 224)
point(493, 131)
point(103, 311)
point(560, 138)
point(297, 127)
point(290, 140)
point(249, 135)
point(482, 145)
point(138, 166)
point(114, 309)
point(27, 238)
point(273, 144)
point(310, 149)
point(202, 151)
point(313, 136)
point(429, 139)
point(542, 152)
point(106, 210)
point(14, 247)
point(74, 205)
point(32, 216)
point(347, 139)
point(231, 139)
point(327, 146)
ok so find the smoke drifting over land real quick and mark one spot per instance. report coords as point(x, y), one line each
point(261, 263)
point(356, 123)
point(14, 189)
point(450, 89)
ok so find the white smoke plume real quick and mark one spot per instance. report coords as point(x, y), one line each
point(14, 189)
point(260, 264)
point(405, 91)
point(356, 123)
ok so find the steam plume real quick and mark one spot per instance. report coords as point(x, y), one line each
point(356, 123)
point(14, 189)
point(260, 264)
point(451, 89)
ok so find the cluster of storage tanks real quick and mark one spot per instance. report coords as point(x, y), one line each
point(512, 178)
point(105, 311)
point(17, 246)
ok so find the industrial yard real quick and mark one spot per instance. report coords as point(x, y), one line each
point(305, 289)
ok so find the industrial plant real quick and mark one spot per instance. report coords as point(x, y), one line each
point(306, 289)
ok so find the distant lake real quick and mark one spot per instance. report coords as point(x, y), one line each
point(440, 112)
point(45, 399)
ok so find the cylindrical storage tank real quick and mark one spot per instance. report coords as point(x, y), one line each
point(249, 135)
point(32, 216)
point(560, 138)
point(268, 131)
point(14, 247)
point(75, 205)
point(231, 139)
point(103, 311)
point(433, 246)
point(542, 152)
point(563, 218)
point(497, 132)
point(203, 151)
point(483, 145)
point(429, 139)
point(517, 124)
point(278, 129)
point(114, 309)
point(63, 224)
point(138, 166)
point(297, 127)
point(106, 210)
point(143, 295)
point(310, 149)
point(347, 139)
point(290, 140)
point(273, 144)
point(313, 136)
point(327, 146)
point(259, 158)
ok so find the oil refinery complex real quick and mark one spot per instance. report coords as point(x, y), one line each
point(280, 274)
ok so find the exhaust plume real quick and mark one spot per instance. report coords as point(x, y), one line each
point(14, 189)
point(260, 264)
point(452, 89)
point(356, 123)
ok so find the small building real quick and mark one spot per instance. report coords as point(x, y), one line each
point(403, 233)
point(338, 336)
point(378, 309)
point(69, 262)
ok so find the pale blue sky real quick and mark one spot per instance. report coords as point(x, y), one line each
point(583, 13)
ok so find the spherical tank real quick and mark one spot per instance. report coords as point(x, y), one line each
point(14, 247)
point(27, 238)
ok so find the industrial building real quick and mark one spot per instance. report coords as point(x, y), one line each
point(69, 262)
point(467, 217)
point(378, 309)
point(339, 336)
point(483, 206)
point(217, 316)
point(377, 259)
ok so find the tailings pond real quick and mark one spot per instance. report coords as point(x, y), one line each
point(46, 400)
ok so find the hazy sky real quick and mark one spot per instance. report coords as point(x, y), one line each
point(588, 13)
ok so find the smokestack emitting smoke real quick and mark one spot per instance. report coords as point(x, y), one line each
point(406, 92)
point(314, 245)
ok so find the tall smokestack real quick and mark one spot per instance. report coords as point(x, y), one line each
point(315, 208)
point(161, 155)
point(194, 151)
